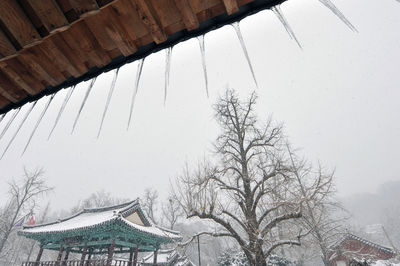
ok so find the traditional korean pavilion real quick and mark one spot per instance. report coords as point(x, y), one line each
point(105, 231)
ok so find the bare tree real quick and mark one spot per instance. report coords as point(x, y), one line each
point(172, 211)
point(149, 202)
point(322, 214)
point(250, 189)
point(23, 196)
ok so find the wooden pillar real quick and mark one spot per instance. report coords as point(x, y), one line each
point(110, 253)
point(66, 256)
point(83, 255)
point(39, 256)
point(59, 257)
point(130, 263)
point(89, 257)
point(135, 257)
point(155, 258)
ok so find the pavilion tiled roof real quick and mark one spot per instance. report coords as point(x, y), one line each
point(93, 218)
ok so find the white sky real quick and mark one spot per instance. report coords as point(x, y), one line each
point(338, 97)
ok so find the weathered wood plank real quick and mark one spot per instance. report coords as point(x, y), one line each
point(85, 8)
point(73, 43)
point(17, 23)
point(9, 90)
point(28, 60)
point(16, 78)
point(118, 33)
point(150, 19)
point(89, 44)
point(58, 41)
point(97, 27)
point(231, 6)
point(50, 67)
point(7, 50)
point(3, 101)
point(188, 16)
point(18, 72)
point(55, 55)
point(50, 14)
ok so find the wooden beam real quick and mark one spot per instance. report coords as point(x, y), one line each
point(10, 90)
point(188, 16)
point(21, 76)
point(28, 60)
point(97, 27)
point(55, 55)
point(14, 76)
point(231, 6)
point(50, 67)
point(59, 43)
point(118, 33)
point(150, 19)
point(18, 24)
point(50, 14)
point(4, 102)
point(84, 8)
point(89, 44)
point(7, 50)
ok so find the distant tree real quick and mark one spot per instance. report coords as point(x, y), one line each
point(22, 199)
point(171, 212)
point(149, 202)
point(322, 214)
point(98, 199)
point(250, 187)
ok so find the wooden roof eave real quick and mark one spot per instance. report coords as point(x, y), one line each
point(29, 81)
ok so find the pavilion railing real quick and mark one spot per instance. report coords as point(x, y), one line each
point(94, 262)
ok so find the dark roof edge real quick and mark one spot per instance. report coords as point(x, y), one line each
point(205, 26)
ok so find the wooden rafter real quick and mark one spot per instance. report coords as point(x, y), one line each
point(47, 45)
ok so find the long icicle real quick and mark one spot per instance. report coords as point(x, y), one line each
point(135, 89)
point(167, 70)
point(110, 93)
point(38, 122)
point(66, 99)
point(83, 102)
point(278, 12)
point(240, 37)
point(19, 127)
point(331, 6)
point(203, 60)
point(9, 122)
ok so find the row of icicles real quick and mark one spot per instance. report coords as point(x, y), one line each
point(277, 11)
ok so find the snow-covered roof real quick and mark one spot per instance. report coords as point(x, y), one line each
point(362, 240)
point(91, 218)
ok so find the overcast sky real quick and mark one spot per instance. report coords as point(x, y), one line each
point(338, 98)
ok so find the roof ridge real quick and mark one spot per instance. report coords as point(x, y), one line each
point(108, 208)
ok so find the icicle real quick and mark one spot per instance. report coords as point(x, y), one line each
point(135, 88)
point(19, 127)
point(338, 13)
point(108, 99)
point(38, 122)
point(83, 102)
point(278, 12)
point(167, 70)
point(203, 60)
point(9, 122)
point(240, 37)
point(2, 117)
point(66, 99)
